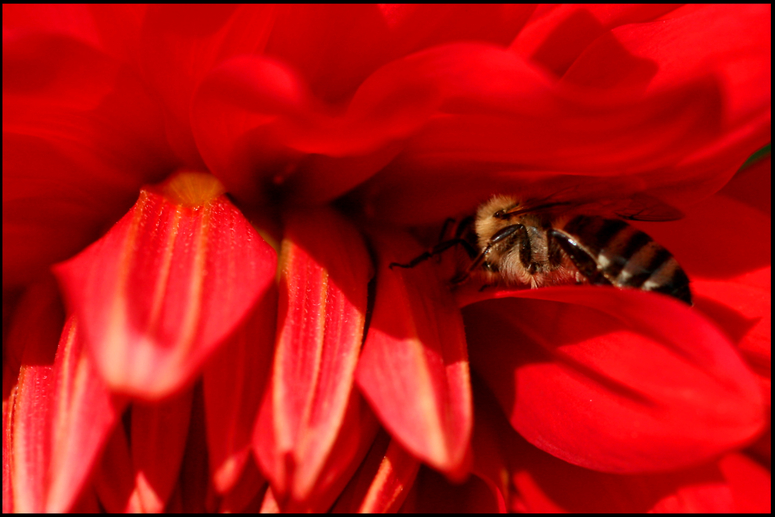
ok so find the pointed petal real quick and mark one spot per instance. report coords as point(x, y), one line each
point(324, 274)
point(28, 359)
point(618, 381)
point(234, 381)
point(59, 415)
point(163, 288)
point(114, 477)
point(158, 441)
point(194, 488)
point(84, 416)
point(250, 486)
point(356, 436)
point(414, 366)
point(383, 480)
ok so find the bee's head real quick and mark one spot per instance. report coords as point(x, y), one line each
point(491, 217)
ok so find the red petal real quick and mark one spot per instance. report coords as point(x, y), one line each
point(60, 413)
point(534, 481)
point(253, 114)
point(356, 436)
point(414, 366)
point(158, 441)
point(728, 41)
point(80, 135)
point(114, 477)
point(246, 493)
point(111, 28)
point(618, 381)
point(556, 34)
point(181, 44)
point(160, 291)
point(354, 41)
point(746, 254)
point(85, 413)
point(730, 44)
point(234, 381)
point(432, 493)
point(194, 492)
point(751, 484)
point(26, 435)
point(502, 120)
point(325, 270)
point(383, 480)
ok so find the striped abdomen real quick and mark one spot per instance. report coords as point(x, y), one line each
point(626, 257)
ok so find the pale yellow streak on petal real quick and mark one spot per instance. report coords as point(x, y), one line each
point(426, 394)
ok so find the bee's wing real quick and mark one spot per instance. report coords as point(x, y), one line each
point(642, 207)
point(636, 207)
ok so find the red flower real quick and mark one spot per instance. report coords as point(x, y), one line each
point(255, 351)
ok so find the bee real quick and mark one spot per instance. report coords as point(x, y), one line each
point(551, 242)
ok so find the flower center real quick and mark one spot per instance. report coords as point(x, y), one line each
point(190, 188)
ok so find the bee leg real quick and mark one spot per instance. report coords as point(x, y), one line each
point(436, 250)
point(459, 279)
point(581, 258)
point(504, 234)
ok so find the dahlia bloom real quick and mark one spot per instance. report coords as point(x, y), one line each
point(200, 206)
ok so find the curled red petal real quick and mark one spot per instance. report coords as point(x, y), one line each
point(617, 381)
point(505, 120)
point(730, 45)
point(163, 288)
point(325, 270)
point(414, 366)
point(556, 34)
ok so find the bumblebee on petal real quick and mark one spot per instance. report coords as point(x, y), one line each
point(553, 242)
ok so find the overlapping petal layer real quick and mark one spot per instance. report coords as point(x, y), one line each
point(58, 416)
point(403, 114)
point(382, 482)
point(234, 382)
point(160, 291)
point(324, 272)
